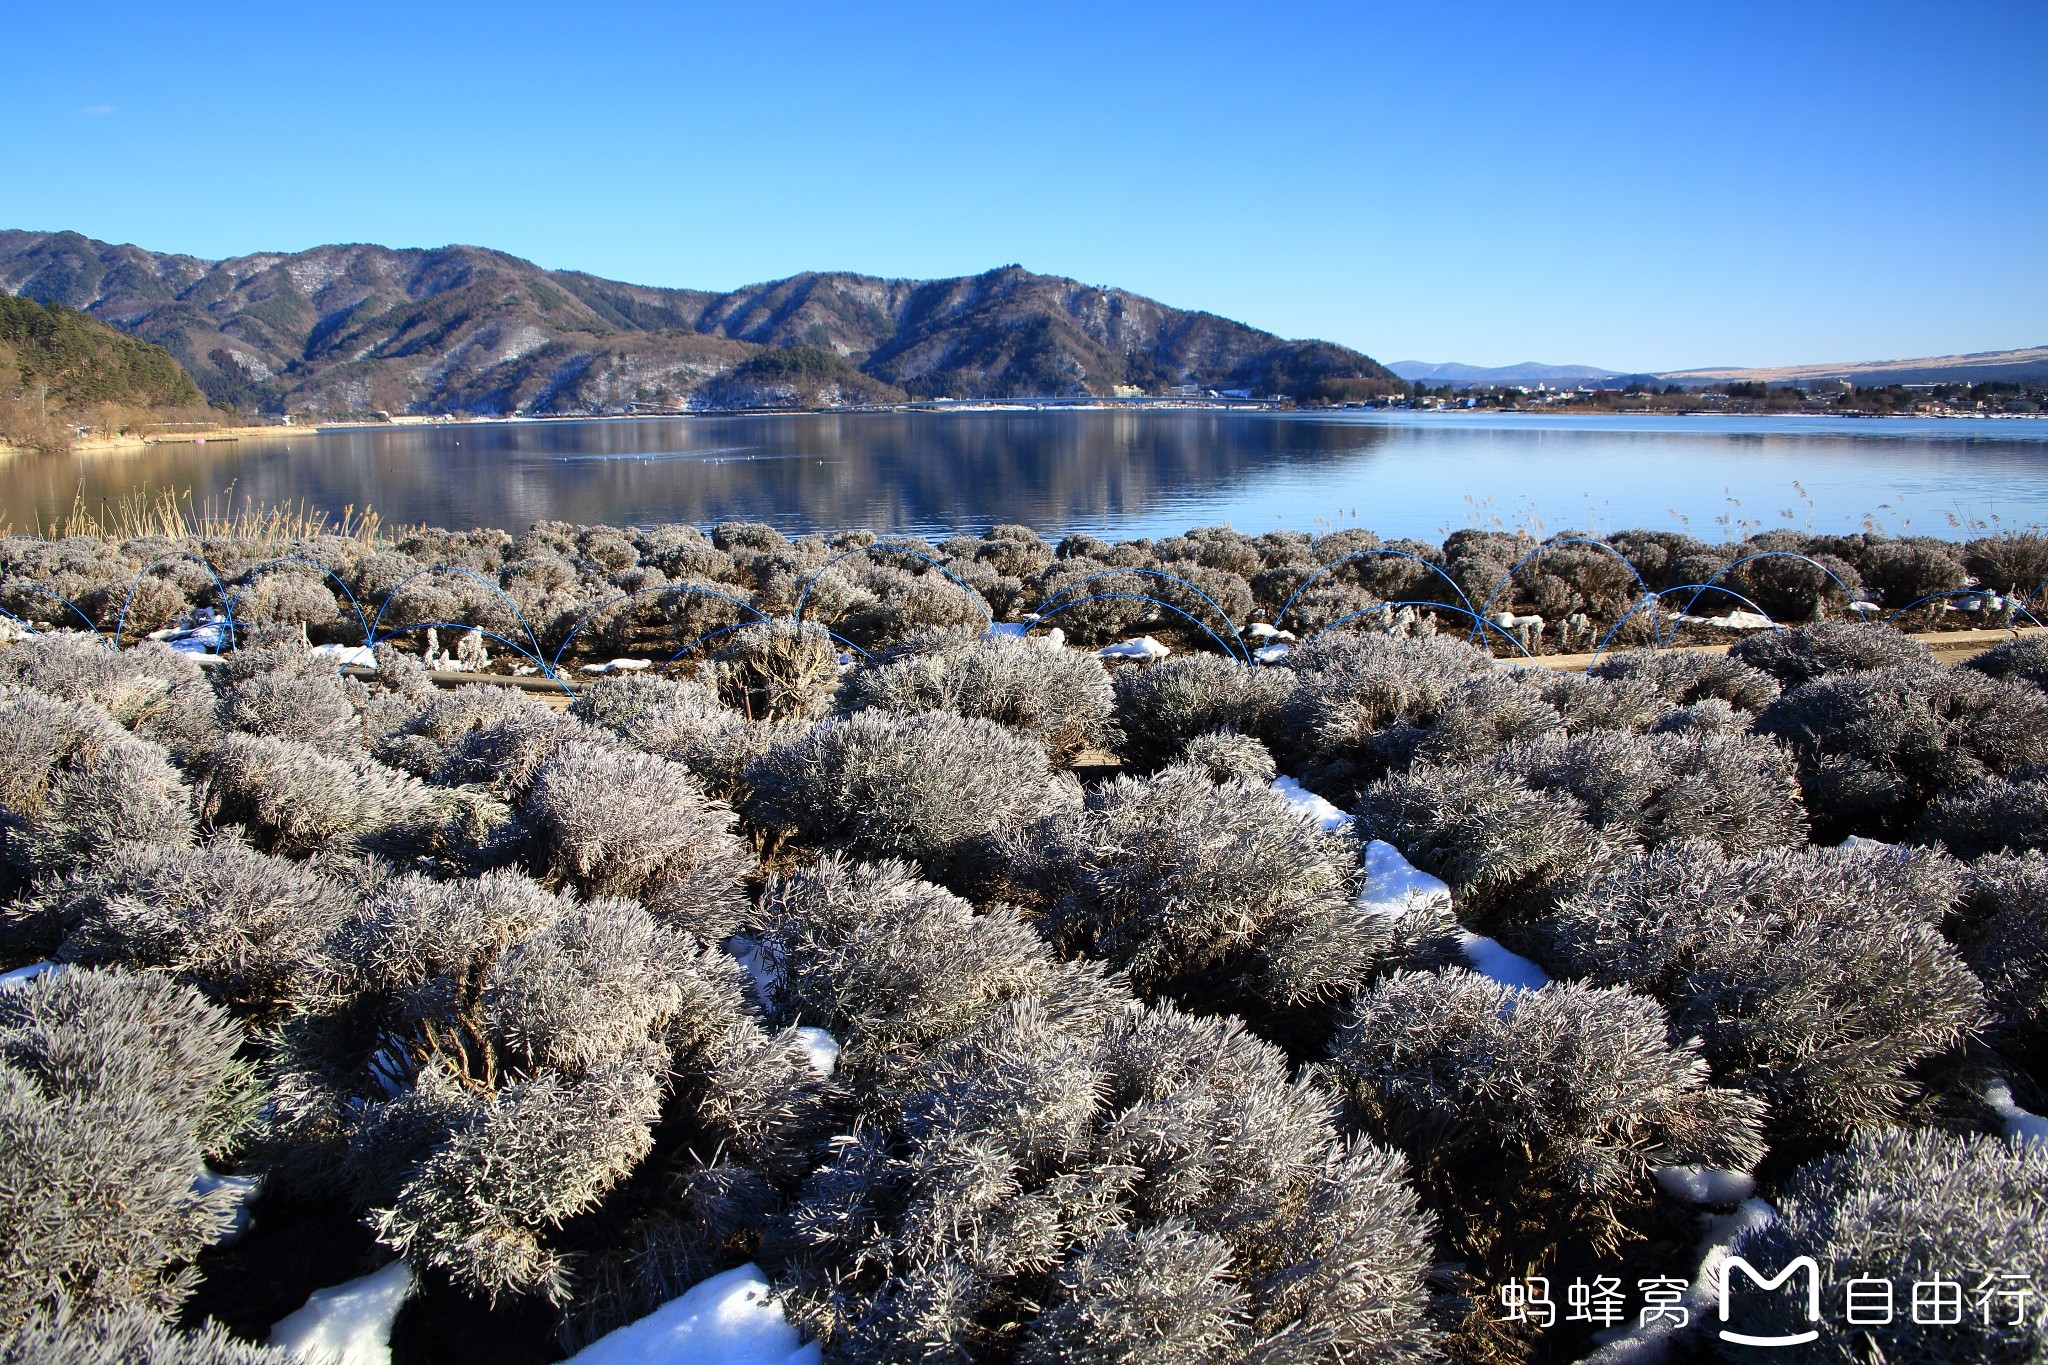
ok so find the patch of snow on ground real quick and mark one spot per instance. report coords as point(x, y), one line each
point(1858, 841)
point(1308, 803)
point(244, 1187)
point(728, 1319)
point(1394, 886)
point(349, 1324)
point(618, 666)
point(1734, 620)
point(2020, 1126)
point(21, 976)
point(1271, 654)
point(1144, 647)
point(1498, 964)
point(821, 1049)
point(1705, 1184)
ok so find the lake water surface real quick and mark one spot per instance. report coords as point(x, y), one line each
point(1112, 473)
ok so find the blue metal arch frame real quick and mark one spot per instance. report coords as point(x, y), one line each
point(1718, 575)
point(249, 581)
point(226, 603)
point(1537, 553)
point(377, 633)
point(1433, 606)
point(1382, 551)
point(765, 621)
point(1955, 592)
point(802, 597)
point(513, 645)
point(1242, 653)
point(1043, 617)
point(607, 605)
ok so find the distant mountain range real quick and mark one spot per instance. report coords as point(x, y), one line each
point(351, 329)
point(1481, 376)
point(2030, 363)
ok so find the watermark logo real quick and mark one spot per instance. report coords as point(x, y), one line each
point(1805, 1264)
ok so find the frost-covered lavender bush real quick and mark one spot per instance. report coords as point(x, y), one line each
point(1875, 748)
point(2025, 658)
point(1061, 698)
point(2002, 929)
point(149, 689)
point(238, 924)
point(1992, 814)
point(1218, 895)
point(114, 1091)
point(1162, 706)
point(1684, 679)
point(1360, 703)
point(615, 821)
point(73, 784)
point(1911, 1205)
point(1505, 848)
point(1588, 704)
point(1224, 754)
point(286, 693)
point(1796, 657)
point(128, 1336)
point(1815, 977)
point(1736, 791)
point(1038, 1164)
point(299, 800)
point(1535, 1114)
point(933, 787)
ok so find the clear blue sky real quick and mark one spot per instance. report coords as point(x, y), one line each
point(1639, 186)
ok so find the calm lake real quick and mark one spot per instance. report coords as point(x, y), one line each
point(1113, 473)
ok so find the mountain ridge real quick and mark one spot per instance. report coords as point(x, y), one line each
point(358, 327)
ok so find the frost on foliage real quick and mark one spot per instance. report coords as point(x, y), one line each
point(348, 1324)
point(1815, 977)
point(891, 966)
point(1733, 790)
point(1911, 1205)
point(73, 784)
point(1223, 754)
point(428, 739)
point(1588, 704)
point(1363, 703)
point(1162, 707)
point(286, 693)
point(538, 1152)
point(1795, 657)
point(1502, 846)
point(114, 1090)
point(1204, 892)
point(1535, 1112)
point(128, 1336)
point(1158, 1168)
point(1061, 698)
point(298, 800)
point(1876, 748)
point(933, 787)
point(622, 823)
point(1993, 814)
point(156, 692)
point(2002, 929)
point(1684, 678)
point(2024, 658)
point(240, 925)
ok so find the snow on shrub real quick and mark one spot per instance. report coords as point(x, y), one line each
point(618, 822)
point(73, 784)
point(1503, 848)
point(1795, 657)
point(933, 787)
point(239, 925)
point(1062, 698)
point(114, 1090)
point(1911, 1205)
point(1038, 1164)
point(1219, 895)
point(1875, 748)
point(428, 739)
point(1162, 706)
point(1816, 977)
point(1536, 1115)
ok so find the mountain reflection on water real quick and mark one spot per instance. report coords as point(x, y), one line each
point(1110, 473)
